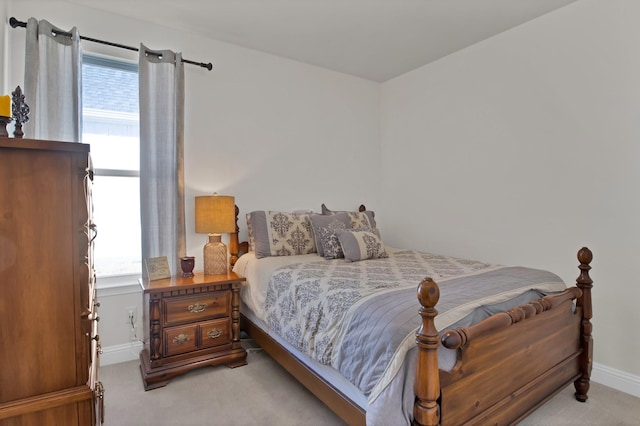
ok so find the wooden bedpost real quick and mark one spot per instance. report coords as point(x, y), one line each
point(233, 243)
point(426, 409)
point(585, 284)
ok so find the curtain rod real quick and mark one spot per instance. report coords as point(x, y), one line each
point(15, 23)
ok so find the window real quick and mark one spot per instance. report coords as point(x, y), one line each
point(110, 124)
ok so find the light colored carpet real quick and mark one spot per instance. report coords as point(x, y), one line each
point(262, 393)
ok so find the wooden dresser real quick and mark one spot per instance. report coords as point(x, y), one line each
point(48, 310)
point(190, 323)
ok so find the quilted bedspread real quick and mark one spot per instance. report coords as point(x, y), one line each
point(361, 317)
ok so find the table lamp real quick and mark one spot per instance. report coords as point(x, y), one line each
point(215, 214)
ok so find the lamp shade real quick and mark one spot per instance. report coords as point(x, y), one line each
point(215, 214)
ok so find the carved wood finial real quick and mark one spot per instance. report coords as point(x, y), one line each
point(585, 283)
point(584, 280)
point(234, 245)
point(428, 293)
point(585, 256)
point(237, 212)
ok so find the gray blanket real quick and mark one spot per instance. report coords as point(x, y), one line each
point(382, 326)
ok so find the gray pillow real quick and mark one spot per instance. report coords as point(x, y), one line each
point(281, 234)
point(361, 244)
point(332, 222)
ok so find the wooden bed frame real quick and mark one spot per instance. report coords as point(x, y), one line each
point(508, 364)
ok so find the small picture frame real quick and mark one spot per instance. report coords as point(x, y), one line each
point(158, 268)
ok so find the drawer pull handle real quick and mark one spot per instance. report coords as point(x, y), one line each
point(214, 333)
point(181, 339)
point(197, 307)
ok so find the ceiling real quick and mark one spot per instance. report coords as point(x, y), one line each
point(372, 39)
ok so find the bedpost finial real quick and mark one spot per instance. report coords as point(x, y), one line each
point(237, 212)
point(428, 293)
point(585, 256)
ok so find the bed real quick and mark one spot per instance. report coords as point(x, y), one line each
point(349, 328)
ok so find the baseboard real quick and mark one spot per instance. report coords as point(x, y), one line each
point(616, 379)
point(120, 353)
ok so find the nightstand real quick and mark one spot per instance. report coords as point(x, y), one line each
point(190, 323)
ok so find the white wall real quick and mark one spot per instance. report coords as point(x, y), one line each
point(274, 133)
point(523, 148)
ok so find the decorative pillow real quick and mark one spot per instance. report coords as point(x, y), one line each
point(365, 219)
point(336, 221)
point(361, 244)
point(250, 229)
point(330, 243)
point(281, 234)
point(362, 219)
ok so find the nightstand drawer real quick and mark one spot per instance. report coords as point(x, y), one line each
point(179, 340)
point(196, 308)
point(215, 333)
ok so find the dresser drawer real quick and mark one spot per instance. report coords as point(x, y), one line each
point(196, 308)
point(215, 332)
point(178, 340)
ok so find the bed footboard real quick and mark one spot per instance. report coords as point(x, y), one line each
point(510, 363)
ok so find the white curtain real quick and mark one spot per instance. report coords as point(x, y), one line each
point(52, 82)
point(161, 156)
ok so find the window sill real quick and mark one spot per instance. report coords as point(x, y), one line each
point(118, 284)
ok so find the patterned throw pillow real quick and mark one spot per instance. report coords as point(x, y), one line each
point(281, 234)
point(361, 244)
point(330, 243)
point(362, 219)
point(332, 222)
point(365, 219)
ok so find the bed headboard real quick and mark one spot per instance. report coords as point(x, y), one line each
point(236, 248)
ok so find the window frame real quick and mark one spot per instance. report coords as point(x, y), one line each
point(105, 282)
